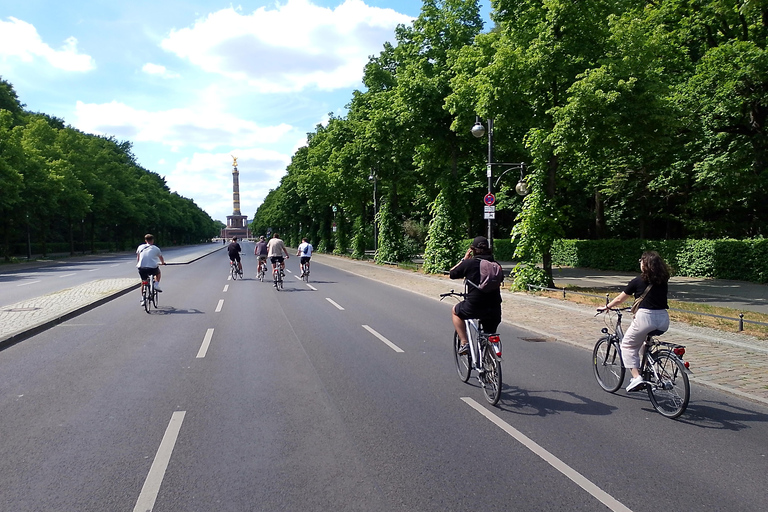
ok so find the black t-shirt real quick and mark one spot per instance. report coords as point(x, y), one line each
point(234, 249)
point(656, 298)
point(470, 270)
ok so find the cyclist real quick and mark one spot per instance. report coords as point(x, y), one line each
point(275, 250)
point(650, 289)
point(234, 251)
point(305, 251)
point(483, 305)
point(148, 258)
point(261, 251)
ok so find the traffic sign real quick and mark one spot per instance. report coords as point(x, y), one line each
point(489, 199)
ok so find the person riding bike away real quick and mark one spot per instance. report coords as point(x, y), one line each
point(148, 258)
point(275, 250)
point(650, 288)
point(234, 251)
point(261, 252)
point(483, 305)
point(305, 251)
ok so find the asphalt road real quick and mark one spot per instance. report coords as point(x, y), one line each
point(234, 397)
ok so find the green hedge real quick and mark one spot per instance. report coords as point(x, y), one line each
point(743, 260)
point(503, 248)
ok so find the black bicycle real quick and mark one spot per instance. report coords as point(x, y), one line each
point(484, 356)
point(662, 367)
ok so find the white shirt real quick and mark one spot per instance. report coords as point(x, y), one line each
point(149, 256)
point(305, 249)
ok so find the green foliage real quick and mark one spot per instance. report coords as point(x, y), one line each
point(391, 248)
point(444, 240)
point(745, 260)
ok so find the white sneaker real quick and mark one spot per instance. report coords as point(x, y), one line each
point(141, 302)
point(635, 383)
point(157, 287)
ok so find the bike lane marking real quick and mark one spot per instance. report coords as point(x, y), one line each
point(206, 343)
point(382, 338)
point(576, 477)
point(27, 283)
point(226, 287)
point(334, 303)
point(219, 306)
point(67, 275)
point(151, 486)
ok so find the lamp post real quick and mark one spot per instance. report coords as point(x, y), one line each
point(478, 130)
point(374, 178)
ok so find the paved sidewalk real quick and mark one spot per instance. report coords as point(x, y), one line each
point(730, 362)
point(29, 317)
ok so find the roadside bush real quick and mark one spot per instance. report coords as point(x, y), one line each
point(744, 260)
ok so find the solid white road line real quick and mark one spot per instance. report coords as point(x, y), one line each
point(206, 343)
point(577, 478)
point(93, 270)
point(226, 287)
point(67, 275)
point(219, 306)
point(382, 338)
point(151, 486)
point(28, 283)
point(332, 302)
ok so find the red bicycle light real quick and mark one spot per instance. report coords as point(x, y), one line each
point(679, 351)
point(494, 338)
point(687, 365)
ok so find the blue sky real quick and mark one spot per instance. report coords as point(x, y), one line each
point(192, 82)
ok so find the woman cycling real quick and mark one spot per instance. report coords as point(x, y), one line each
point(650, 287)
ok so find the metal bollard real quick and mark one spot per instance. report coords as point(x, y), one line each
point(741, 322)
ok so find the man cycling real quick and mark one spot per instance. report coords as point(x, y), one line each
point(275, 250)
point(261, 251)
point(234, 251)
point(483, 305)
point(305, 252)
point(148, 258)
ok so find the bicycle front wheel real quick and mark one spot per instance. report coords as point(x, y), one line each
point(233, 272)
point(491, 376)
point(606, 364)
point(463, 365)
point(671, 391)
point(154, 297)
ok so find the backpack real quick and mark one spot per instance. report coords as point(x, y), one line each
point(491, 276)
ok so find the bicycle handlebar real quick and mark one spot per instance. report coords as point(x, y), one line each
point(618, 310)
point(452, 293)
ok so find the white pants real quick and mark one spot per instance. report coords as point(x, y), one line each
point(645, 321)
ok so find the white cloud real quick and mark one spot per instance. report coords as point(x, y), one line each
point(199, 127)
point(157, 69)
point(20, 39)
point(207, 177)
point(289, 48)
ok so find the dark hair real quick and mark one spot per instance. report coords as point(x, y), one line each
point(655, 269)
point(304, 240)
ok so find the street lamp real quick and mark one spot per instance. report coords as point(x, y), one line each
point(478, 130)
point(374, 179)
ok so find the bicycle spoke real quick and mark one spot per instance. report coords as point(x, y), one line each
point(669, 389)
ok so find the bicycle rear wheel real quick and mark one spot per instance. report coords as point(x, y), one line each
point(491, 377)
point(671, 392)
point(154, 297)
point(146, 296)
point(233, 272)
point(463, 364)
point(606, 364)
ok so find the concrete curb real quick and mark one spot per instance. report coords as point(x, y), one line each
point(45, 324)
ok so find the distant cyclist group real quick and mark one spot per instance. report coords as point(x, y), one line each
point(274, 250)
